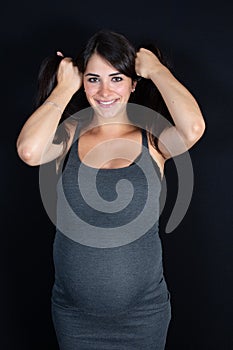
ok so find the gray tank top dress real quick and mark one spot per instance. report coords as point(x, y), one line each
point(113, 296)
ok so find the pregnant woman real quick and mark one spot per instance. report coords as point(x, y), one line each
point(109, 290)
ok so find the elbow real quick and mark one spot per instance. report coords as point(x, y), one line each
point(196, 132)
point(199, 128)
point(27, 154)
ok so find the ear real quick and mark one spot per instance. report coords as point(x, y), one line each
point(134, 83)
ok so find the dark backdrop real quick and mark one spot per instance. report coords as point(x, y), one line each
point(197, 38)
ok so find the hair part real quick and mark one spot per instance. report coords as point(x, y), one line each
point(114, 48)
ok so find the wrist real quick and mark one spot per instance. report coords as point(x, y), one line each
point(159, 72)
point(61, 91)
point(55, 105)
point(60, 96)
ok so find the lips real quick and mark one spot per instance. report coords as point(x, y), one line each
point(108, 103)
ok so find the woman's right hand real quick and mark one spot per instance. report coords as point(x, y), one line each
point(68, 75)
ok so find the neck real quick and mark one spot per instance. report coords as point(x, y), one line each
point(114, 126)
point(113, 130)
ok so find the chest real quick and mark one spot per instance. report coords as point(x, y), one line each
point(108, 152)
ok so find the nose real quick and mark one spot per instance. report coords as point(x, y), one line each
point(105, 89)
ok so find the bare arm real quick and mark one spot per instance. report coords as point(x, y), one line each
point(186, 114)
point(34, 143)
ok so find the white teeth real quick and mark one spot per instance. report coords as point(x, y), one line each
point(107, 102)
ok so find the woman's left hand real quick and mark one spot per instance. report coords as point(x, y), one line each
point(147, 63)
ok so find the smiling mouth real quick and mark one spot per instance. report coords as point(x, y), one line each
point(107, 103)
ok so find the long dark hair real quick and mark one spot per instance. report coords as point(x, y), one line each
point(121, 54)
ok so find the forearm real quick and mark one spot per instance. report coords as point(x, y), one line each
point(39, 130)
point(182, 106)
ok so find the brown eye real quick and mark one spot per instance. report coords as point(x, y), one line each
point(93, 80)
point(116, 79)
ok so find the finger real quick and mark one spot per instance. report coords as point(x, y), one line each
point(66, 60)
point(59, 53)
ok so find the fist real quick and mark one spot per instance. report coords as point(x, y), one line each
point(147, 63)
point(68, 75)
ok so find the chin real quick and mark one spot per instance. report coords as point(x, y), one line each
point(110, 113)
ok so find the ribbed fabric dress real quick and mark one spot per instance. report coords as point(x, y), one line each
point(110, 294)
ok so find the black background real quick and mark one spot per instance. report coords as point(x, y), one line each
point(197, 38)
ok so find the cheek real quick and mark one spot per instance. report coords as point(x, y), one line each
point(90, 89)
point(124, 90)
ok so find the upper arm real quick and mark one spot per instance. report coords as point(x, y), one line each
point(172, 143)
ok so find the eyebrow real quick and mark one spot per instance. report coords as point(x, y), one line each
point(97, 75)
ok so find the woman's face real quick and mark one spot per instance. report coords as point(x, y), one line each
point(107, 90)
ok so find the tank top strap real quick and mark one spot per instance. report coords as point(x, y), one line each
point(144, 138)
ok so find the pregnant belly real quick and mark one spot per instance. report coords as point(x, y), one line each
point(102, 281)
